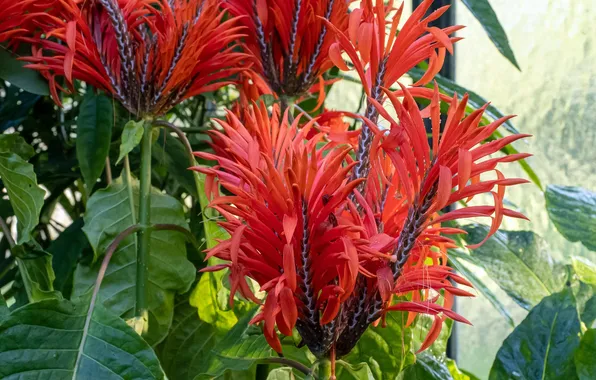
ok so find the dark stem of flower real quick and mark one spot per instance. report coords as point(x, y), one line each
point(362, 167)
point(317, 52)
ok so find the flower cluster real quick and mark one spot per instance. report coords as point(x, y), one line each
point(289, 42)
point(336, 226)
point(340, 227)
point(149, 55)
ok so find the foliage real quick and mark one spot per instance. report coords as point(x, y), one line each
point(75, 180)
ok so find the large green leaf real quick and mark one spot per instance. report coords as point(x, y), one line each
point(50, 340)
point(573, 212)
point(386, 351)
point(585, 356)
point(94, 134)
point(12, 70)
point(457, 258)
point(482, 10)
point(519, 262)
point(427, 367)
point(108, 214)
point(186, 352)
point(543, 344)
point(25, 196)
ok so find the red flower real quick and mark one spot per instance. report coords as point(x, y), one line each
point(289, 40)
point(284, 217)
point(149, 55)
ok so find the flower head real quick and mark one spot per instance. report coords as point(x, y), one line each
point(149, 55)
point(288, 232)
point(289, 40)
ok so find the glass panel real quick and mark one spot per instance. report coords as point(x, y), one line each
point(554, 96)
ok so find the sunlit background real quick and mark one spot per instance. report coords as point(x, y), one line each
point(554, 96)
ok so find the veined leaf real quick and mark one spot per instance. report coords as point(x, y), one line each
point(3, 309)
point(347, 371)
point(108, 214)
point(386, 351)
point(12, 70)
point(50, 340)
point(585, 269)
point(94, 134)
point(131, 137)
point(25, 196)
point(519, 262)
point(456, 259)
point(427, 367)
point(14, 143)
point(542, 346)
point(205, 298)
point(573, 212)
point(585, 356)
point(37, 273)
point(484, 13)
point(186, 351)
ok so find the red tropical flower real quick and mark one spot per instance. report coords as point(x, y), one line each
point(149, 55)
point(284, 217)
point(289, 40)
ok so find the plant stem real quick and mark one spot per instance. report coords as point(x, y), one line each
point(108, 171)
point(144, 236)
point(324, 369)
point(210, 228)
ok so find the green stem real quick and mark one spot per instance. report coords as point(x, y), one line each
point(324, 369)
point(211, 228)
point(144, 236)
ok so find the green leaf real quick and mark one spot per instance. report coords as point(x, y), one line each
point(25, 196)
point(585, 296)
point(109, 213)
point(584, 269)
point(386, 351)
point(244, 345)
point(347, 371)
point(542, 346)
point(14, 143)
point(482, 10)
point(427, 367)
point(94, 135)
point(457, 258)
point(205, 297)
point(186, 352)
point(573, 212)
point(48, 340)
point(457, 373)
point(131, 137)
point(585, 356)
point(37, 274)
point(66, 251)
point(519, 262)
point(12, 70)
point(4, 312)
